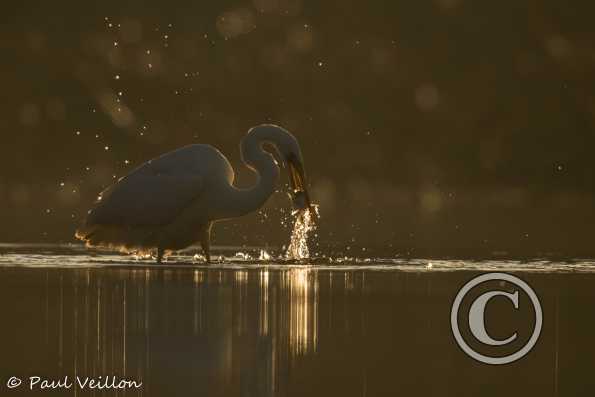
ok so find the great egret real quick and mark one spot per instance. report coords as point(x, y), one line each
point(171, 202)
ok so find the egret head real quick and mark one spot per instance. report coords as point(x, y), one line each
point(290, 156)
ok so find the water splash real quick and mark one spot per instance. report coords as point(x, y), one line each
point(243, 255)
point(264, 256)
point(304, 224)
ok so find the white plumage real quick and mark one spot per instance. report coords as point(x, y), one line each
point(171, 202)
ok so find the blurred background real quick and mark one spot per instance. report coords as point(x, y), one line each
point(443, 127)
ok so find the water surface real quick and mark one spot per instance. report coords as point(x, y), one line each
point(249, 327)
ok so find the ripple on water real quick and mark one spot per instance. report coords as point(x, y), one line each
point(233, 258)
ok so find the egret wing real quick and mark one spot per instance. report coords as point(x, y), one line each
point(151, 195)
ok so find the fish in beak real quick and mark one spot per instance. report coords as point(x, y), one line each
point(299, 188)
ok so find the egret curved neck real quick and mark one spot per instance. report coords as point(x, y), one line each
point(263, 165)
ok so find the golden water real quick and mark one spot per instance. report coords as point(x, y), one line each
point(240, 326)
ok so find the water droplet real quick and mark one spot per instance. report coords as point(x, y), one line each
point(304, 224)
point(264, 256)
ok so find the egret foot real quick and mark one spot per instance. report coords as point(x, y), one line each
point(205, 242)
point(159, 255)
point(206, 250)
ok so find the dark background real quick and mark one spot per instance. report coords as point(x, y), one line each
point(445, 127)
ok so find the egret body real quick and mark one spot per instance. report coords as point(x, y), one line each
point(172, 201)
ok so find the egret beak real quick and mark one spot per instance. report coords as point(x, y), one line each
point(299, 188)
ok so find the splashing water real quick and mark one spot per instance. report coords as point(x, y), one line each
point(304, 224)
point(264, 256)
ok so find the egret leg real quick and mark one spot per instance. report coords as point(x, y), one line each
point(205, 243)
point(159, 255)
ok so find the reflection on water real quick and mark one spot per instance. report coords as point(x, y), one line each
point(271, 330)
point(139, 323)
point(302, 286)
